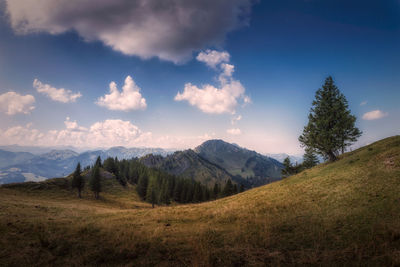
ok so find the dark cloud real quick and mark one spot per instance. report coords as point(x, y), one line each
point(168, 29)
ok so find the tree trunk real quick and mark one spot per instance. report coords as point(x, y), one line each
point(331, 156)
point(79, 193)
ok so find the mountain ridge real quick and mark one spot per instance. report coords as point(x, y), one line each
point(238, 161)
point(208, 164)
point(212, 161)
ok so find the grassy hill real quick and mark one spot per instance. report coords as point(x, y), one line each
point(343, 213)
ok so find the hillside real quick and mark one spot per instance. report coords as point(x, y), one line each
point(249, 165)
point(342, 213)
point(217, 161)
point(188, 164)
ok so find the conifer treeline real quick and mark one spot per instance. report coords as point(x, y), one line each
point(158, 187)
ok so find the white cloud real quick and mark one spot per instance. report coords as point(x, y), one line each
point(170, 30)
point(106, 133)
point(374, 115)
point(213, 58)
point(60, 95)
point(129, 99)
point(234, 131)
point(235, 119)
point(180, 142)
point(216, 100)
point(246, 100)
point(100, 134)
point(12, 103)
point(363, 103)
point(73, 125)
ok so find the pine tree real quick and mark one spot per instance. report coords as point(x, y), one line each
point(152, 192)
point(287, 167)
point(95, 183)
point(235, 189)
point(197, 193)
point(228, 189)
point(98, 162)
point(178, 190)
point(164, 193)
point(142, 185)
point(241, 188)
point(309, 159)
point(77, 180)
point(216, 191)
point(331, 127)
point(109, 165)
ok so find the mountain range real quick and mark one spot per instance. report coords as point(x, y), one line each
point(26, 166)
point(213, 161)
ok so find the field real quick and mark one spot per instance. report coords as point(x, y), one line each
point(342, 213)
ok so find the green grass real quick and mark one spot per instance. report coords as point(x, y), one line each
point(342, 213)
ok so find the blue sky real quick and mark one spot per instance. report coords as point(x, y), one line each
point(281, 52)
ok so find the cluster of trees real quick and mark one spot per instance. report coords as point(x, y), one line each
point(78, 181)
point(309, 160)
point(153, 185)
point(158, 187)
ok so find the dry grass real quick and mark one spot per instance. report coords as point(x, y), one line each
point(345, 213)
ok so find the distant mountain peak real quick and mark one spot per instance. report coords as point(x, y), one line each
point(240, 162)
point(215, 145)
point(56, 154)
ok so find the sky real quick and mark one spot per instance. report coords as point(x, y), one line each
point(175, 73)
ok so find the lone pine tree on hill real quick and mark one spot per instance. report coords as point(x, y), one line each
point(331, 126)
point(77, 180)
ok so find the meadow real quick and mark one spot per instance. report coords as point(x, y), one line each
point(341, 213)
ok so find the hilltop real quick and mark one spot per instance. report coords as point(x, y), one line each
point(341, 213)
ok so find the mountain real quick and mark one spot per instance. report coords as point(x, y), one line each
point(345, 213)
point(282, 156)
point(249, 165)
point(128, 153)
point(20, 166)
point(37, 150)
point(189, 164)
point(8, 158)
point(217, 161)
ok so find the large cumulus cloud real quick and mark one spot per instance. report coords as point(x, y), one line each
point(209, 98)
point(167, 29)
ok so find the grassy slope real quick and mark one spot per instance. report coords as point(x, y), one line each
point(345, 212)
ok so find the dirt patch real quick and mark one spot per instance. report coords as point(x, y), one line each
point(390, 162)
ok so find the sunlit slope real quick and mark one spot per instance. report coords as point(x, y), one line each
point(347, 212)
